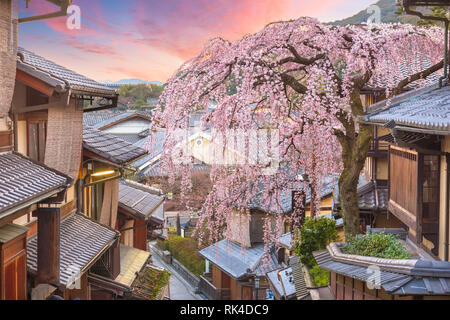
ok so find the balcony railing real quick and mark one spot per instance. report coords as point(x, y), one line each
point(378, 148)
point(211, 292)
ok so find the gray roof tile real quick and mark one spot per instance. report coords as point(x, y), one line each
point(76, 81)
point(22, 180)
point(429, 110)
point(110, 146)
point(81, 241)
point(237, 261)
point(135, 198)
point(101, 119)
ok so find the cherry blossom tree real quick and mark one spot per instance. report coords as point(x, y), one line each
point(303, 79)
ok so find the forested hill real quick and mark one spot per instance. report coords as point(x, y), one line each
point(388, 9)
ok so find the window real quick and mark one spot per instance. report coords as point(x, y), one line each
point(37, 137)
point(94, 200)
point(431, 188)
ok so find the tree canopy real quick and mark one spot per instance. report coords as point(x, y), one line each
point(304, 80)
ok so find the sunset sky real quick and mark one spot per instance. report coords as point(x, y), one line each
point(149, 39)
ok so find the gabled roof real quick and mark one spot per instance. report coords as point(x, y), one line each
point(139, 199)
point(428, 109)
point(102, 121)
point(285, 196)
point(155, 169)
point(370, 196)
point(82, 242)
point(110, 147)
point(55, 74)
point(24, 181)
point(92, 118)
point(239, 262)
point(398, 277)
point(402, 71)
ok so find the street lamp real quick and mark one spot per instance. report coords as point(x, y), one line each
point(256, 287)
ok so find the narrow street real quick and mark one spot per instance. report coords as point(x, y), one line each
point(180, 289)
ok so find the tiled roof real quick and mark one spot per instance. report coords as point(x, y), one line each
point(301, 290)
point(237, 261)
point(92, 118)
point(102, 119)
point(428, 110)
point(155, 169)
point(138, 198)
point(402, 277)
point(109, 146)
point(291, 283)
point(22, 180)
point(404, 70)
point(129, 137)
point(370, 197)
point(81, 241)
point(285, 196)
point(75, 81)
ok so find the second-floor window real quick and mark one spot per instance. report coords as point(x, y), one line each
point(37, 137)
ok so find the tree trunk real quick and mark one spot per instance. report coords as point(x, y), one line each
point(355, 142)
point(354, 156)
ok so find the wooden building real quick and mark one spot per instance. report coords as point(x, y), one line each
point(354, 277)
point(419, 148)
point(237, 273)
point(53, 232)
point(141, 211)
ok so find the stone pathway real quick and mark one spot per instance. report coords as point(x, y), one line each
point(179, 288)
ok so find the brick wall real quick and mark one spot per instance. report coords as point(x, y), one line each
point(8, 53)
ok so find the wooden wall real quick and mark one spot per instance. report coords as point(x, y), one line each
point(13, 269)
point(403, 185)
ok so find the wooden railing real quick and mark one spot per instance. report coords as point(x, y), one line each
point(211, 292)
point(378, 148)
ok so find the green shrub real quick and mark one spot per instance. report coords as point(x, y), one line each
point(315, 235)
point(184, 250)
point(163, 281)
point(379, 245)
point(321, 277)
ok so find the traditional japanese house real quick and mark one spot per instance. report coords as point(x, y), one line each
point(141, 211)
point(373, 186)
point(27, 186)
point(128, 207)
point(418, 160)
point(47, 108)
point(237, 273)
point(128, 126)
point(247, 243)
point(354, 277)
point(105, 159)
